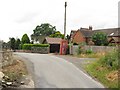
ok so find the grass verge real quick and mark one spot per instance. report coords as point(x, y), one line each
point(92, 55)
point(105, 70)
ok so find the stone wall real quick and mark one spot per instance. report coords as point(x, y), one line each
point(100, 48)
point(6, 58)
point(95, 49)
point(73, 49)
point(0, 55)
point(41, 50)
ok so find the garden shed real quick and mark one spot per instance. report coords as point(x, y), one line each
point(54, 44)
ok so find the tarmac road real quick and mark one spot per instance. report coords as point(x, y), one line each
point(55, 72)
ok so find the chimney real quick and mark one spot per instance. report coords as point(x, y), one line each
point(90, 28)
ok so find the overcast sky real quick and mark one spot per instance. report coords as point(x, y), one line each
point(22, 16)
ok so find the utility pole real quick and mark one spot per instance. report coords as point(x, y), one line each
point(65, 21)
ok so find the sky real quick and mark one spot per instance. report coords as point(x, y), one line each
point(18, 17)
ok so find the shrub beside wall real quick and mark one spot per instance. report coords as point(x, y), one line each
point(37, 48)
point(29, 46)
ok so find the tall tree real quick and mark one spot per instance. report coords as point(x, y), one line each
point(100, 39)
point(17, 44)
point(44, 29)
point(12, 43)
point(25, 39)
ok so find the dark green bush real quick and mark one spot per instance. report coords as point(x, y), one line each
point(29, 46)
point(100, 39)
point(89, 51)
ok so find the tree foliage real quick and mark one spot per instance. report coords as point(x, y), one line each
point(68, 37)
point(100, 39)
point(25, 39)
point(12, 43)
point(17, 44)
point(44, 29)
point(57, 35)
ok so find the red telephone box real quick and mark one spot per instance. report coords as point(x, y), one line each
point(63, 47)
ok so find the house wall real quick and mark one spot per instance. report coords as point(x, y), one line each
point(78, 38)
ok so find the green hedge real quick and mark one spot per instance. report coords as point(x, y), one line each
point(29, 46)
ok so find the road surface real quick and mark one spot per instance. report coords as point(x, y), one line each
point(54, 72)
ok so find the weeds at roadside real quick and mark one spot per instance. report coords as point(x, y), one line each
point(14, 72)
point(105, 69)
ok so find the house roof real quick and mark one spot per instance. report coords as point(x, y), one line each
point(86, 33)
point(53, 40)
point(109, 31)
point(72, 33)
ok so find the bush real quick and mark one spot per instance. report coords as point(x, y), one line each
point(89, 51)
point(25, 39)
point(29, 46)
point(100, 39)
point(20, 46)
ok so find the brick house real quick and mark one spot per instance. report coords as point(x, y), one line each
point(85, 34)
point(81, 35)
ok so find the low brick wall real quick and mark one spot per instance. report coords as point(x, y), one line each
point(6, 58)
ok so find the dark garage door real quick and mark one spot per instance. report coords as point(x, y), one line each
point(54, 48)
